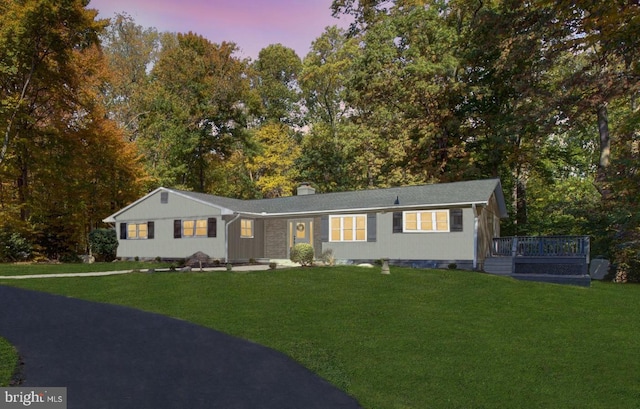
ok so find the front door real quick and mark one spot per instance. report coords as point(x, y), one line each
point(300, 231)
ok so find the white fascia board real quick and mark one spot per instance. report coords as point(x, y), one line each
point(393, 208)
point(112, 219)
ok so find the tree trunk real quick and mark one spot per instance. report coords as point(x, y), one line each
point(605, 152)
point(23, 190)
point(520, 201)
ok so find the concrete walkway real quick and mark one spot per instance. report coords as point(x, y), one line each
point(239, 268)
point(109, 356)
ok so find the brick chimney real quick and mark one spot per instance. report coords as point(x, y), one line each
point(305, 189)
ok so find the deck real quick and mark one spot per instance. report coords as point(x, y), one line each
point(557, 259)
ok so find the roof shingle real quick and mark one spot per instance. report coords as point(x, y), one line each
point(442, 194)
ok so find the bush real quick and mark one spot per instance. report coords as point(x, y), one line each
point(14, 247)
point(327, 257)
point(627, 264)
point(104, 244)
point(302, 253)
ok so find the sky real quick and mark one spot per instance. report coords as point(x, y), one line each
point(250, 24)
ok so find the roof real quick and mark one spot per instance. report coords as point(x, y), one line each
point(467, 193)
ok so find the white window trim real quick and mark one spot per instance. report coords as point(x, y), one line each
point(253, 226)
point(195, 229)
point(137, 236)
point(433, 221)
point(341, 218)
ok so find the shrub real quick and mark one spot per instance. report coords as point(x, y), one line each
point(103, 243)
point(627, 264)
point(327, 257)
point(273, 265)
point(302, 253)
point(14, 247)
point(69, 257)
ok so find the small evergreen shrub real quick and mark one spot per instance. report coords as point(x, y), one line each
point(104, 243)
point(14, 247)
point(302, 253)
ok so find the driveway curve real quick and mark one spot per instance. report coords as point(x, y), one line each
point(117, 357)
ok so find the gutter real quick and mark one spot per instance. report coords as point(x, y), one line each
point(475, 236)
point(393, 208)
point(226, 237)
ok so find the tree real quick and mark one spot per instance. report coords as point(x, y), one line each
point(324, 76)
point(37, 40)
point(272, 169)
point(197, 111)
point(405, 88)
point(277, 70)
point(131, 51)
point(326, 72)
point(68, 164)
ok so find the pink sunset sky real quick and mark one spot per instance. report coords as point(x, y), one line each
point(250, 24)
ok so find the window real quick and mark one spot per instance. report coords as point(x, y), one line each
point(246, 228)
point(137, 231)
point(426, 221)
point(164, 197)
point(348, 228)
point(195, 228)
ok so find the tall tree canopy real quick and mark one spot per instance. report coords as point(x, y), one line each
point(62, 165)
point(198, 106)
point(276, 79)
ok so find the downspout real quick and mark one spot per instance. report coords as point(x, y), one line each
point(475, 236)
point(226, 237)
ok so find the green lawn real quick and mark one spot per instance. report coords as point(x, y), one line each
point(28, 269)
point(416, 338)
point(8, 362)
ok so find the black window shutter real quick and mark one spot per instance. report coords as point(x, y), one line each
point(177, 229)
point(123, 231)
point(371, 227)
point(397, 222)
point(212, 227)
point(455, 219)
point(324, 229)
point(151, 230)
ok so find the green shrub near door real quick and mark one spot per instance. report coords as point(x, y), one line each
point(302, 253)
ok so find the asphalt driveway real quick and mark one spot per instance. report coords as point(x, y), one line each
point(116, 357)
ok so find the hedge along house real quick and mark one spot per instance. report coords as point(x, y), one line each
point(427, 226)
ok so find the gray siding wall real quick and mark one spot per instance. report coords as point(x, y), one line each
point(163, 244)
point(409, 246)
point(243, 249)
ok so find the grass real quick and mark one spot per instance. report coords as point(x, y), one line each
point(35, 268)
point(416, 338)
point(8, 362)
